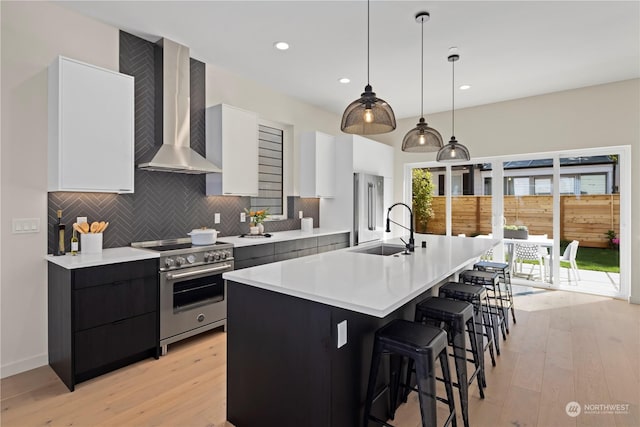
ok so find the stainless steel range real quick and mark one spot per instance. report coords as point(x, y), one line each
point(192, 291)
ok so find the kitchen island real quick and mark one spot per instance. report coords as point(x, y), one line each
point(300, 332)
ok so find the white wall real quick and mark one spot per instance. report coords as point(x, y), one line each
point(33, 34)
point(597, 116)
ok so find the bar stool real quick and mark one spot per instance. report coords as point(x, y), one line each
point(477, 296)
point(422, 344)
point(457, 318)
point(490, 281)
point(502, 268)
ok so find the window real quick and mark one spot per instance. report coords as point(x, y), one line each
point(593, 184)
point(521, 186)
point(543, 185)
point(568, 185)
point(456, 185)
point(487, 186)
point(270, 171)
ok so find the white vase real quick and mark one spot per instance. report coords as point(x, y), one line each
point(260, 228)
point(254, 230)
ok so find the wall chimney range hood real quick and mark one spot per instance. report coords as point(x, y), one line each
point(175, 153)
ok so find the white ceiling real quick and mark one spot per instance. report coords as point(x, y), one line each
point(508, 49)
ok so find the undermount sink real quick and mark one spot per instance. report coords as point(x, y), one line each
point(380, 249)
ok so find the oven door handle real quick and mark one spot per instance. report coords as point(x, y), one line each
point(174, 276)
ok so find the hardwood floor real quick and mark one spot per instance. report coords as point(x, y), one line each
point(565, 347)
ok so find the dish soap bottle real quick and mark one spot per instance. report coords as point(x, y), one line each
point(74, 243)
point(59, 233)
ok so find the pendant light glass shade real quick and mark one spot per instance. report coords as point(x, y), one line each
point(368, 115)
point(422, 138)
point(453, 152)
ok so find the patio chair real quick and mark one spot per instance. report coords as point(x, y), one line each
point(569, 256)
point(531, 252)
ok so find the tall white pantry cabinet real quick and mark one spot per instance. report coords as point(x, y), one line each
point(91, 128)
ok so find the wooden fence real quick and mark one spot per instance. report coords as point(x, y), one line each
point(585, 218)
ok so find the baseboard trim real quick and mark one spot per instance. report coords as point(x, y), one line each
point(633, 299)
point(23, 365)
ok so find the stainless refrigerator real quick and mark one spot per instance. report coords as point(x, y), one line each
point(368, 208)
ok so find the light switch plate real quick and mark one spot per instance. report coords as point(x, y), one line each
point(216, 218)
point(243, 217)
point(26, 225)
point(342, 333)
point(300, 215)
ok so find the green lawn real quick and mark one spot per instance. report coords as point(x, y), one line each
point(596, 259)
point(593, 259)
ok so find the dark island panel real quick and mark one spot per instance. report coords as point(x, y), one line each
point(283, 364)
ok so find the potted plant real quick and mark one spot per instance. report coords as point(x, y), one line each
point(256, 220)
point(422, 198)
point(613, 240)
point(516, 232)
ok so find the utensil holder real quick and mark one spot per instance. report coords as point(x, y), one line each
point(91, 243)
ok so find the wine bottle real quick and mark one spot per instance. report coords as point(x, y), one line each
point(59, 233)
point(74, 243)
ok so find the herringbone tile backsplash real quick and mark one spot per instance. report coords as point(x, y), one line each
point(164, 205)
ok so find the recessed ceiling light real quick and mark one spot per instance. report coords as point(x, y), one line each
point(344, 80)
point(465, 87)
point(281, 45)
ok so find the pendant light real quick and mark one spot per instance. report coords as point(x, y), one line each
point(453, 151)
point(422, 138)
point(368, 115)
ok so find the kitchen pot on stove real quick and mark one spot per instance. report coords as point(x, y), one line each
point(203, 236)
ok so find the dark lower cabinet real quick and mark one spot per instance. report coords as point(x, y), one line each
point(289, 353)
point(265, 253)
point(102, 318)
point(106, 344)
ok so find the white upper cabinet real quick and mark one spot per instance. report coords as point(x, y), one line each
point(370, 156)
point(91, 128)
point(317, 165)
point(232, 144)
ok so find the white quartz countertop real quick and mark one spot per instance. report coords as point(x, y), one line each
point(279, 236)
point(370, 284)
point(107, 256)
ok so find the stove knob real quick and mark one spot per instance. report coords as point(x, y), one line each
point(229, 254)
point(223, 254)
point(216, 256)
point(180, 261)
point(169, 262)
point(208, 257)
point(191, 259)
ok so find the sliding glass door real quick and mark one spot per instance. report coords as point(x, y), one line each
point(562, 217)
point(528, 218)
point(590, 223)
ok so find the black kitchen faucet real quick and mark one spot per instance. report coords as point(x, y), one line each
point(411, 245)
